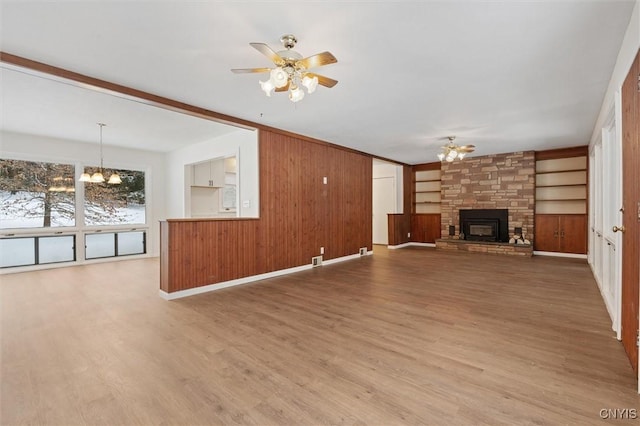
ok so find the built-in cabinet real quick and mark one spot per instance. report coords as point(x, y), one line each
point(209, 173)
point(427, 191)
point(426, 196)
point(561, 200)
point(564, 233)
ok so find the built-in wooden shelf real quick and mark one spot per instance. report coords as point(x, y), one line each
point(561, 185)
point(426, 191)
point(561, 200)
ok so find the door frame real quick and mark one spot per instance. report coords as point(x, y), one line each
point(612, 147)
point(391, 206)
point(630, 139)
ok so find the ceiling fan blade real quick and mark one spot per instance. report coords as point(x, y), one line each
point(268, 52)
point(283, 88)
point(325, 81)
point(324, 58)
point(467, 148)
point(249, 70)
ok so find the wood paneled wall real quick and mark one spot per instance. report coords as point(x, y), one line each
point(298, 215)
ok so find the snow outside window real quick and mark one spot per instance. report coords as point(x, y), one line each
point(36, 194)
point(108, 204)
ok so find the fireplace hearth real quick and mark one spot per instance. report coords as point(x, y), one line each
point(485, 225)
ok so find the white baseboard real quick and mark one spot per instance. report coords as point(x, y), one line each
point(556, 254)
point(399, 246)
point(218, 286)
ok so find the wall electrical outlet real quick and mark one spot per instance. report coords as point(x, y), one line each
point(321, 250)
point(408, 234)
point(324, 180)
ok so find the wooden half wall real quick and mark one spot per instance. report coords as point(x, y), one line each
point(299, 213)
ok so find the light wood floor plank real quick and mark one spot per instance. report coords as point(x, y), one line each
point(411, 336)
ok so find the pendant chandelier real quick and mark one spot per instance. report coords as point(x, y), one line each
point(97, 177)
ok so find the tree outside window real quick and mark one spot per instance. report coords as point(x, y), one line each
point(108, 204)
point(36, 194)
point(42, 195)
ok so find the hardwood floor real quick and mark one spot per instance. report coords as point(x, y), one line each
point(411, 336)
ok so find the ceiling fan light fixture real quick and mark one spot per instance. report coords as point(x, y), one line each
point(310, 83)
point(296, 94)
point(451, 151)
point(267, 86)
point(279, 77)
point(291, 69)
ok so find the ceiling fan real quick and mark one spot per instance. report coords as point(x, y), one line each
point(451, 151)
point(291, 70)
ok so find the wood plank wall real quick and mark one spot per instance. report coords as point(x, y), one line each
point(298, 215)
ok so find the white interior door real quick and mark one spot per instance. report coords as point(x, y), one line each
point(612, 181)
point(384, 202)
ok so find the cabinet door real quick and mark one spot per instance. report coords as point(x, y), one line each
point(217, 173)
point(547, 233)
point(573, 233)
point(202, 174)
point(425, 228)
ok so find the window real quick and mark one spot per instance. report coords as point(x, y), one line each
point(38, 197)
point(39, 250)
point(107, 204)
point(112, 244)
point(36, 194)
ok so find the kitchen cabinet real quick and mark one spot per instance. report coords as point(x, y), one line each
point(209, 173)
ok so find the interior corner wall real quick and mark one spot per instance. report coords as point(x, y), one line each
point(626, 55)
point(383, 169)
point(242, 143)
point(312, 195)
point(27, 147)
point(612, 102)
point(299, 213)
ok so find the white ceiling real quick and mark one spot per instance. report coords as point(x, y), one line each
point(503, 75)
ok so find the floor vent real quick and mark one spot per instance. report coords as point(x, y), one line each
point(363, 251)
point(316, 261)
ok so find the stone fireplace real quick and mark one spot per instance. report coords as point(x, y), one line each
point(494, 182)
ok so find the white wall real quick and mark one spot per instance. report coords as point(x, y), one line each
point(626, 55)
point(20, 146)
point(241, 143)
point(387, 169)
point(605, 172)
